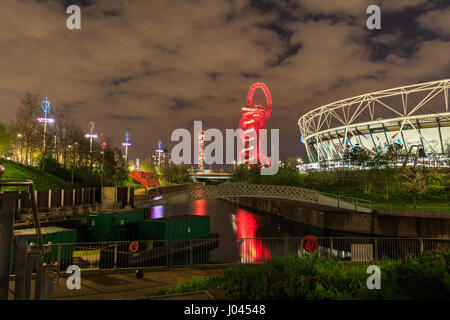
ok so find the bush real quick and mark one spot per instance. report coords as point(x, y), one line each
point(310, 278)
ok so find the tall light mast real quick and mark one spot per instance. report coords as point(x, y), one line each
point(126, 144)
point(45, 105)
point(91, 135)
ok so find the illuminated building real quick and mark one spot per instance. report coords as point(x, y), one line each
point(201, 148)
point(400, 118)
point(161, 155)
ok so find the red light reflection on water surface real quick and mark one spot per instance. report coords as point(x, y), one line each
point(252, 250)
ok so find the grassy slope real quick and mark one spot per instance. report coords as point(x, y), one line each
point(42, 180)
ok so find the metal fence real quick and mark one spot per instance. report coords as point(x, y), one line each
point(219, 251)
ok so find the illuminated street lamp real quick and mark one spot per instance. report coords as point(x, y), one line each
point(91, 135)
point(19, 136)
point(127, 143)
point(45, 105)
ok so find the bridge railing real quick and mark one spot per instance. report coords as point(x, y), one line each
point(148, 254)
point(355, 202)
point(252, 190)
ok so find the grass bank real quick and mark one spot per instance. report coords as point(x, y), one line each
point(42, 180)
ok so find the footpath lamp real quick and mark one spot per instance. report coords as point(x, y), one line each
point(126, 144)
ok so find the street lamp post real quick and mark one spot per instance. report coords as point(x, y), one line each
point(91, 135)
point(45, 105)
point(19, 135)
point(126, 144)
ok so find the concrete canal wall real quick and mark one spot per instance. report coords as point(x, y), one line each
point(387, 225)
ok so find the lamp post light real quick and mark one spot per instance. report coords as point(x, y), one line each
point(19, 135)
point(91, 135)
point(126, 144)
point(45, 105)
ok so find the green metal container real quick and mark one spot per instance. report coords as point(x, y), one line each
point(108, 226)
point(182, 227)
point(55, 235)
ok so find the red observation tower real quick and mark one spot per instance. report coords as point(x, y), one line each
point(254, 119)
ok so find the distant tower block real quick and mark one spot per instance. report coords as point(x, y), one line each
point(201, 148)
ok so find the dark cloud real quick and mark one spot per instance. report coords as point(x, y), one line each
point(153, 66)
point(214, 75)
point(120, 117)
point(248, 75)
point(180, 104)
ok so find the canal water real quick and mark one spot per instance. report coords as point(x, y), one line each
point(233, 223)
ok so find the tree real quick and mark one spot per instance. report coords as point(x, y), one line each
point(148, 165)
point(115, 168)
point(5, 139)
point(175, 173)
point(27, 128)
point(415, 181)
point(394, 152)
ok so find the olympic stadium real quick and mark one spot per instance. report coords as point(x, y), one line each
point(405, 117)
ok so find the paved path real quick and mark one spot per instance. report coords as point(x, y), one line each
point(108, 286)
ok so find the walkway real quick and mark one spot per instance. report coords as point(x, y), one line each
point(110, 286)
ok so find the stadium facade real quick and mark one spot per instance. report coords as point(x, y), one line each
point(416, 115)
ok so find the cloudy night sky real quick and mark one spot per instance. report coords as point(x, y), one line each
point(151, 66)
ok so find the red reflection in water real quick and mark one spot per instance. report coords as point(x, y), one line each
point(252, 250)
point(200, 207)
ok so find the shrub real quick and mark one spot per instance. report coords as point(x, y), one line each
point(296, 278)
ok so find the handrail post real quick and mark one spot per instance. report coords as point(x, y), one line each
point(191, 253)
point(331, 247)
point(58, 257)
point(115, 255)
point(285, 246)
point(167, 254)
point(375, 249)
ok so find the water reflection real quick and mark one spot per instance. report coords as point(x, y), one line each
point(200, 207)
point(251, 249)
point(157, 212)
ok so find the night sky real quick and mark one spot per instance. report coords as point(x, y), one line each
point(153, 66)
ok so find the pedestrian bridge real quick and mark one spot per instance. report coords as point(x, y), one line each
point(310, 198)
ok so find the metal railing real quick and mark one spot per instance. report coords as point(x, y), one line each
point(149, 254)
